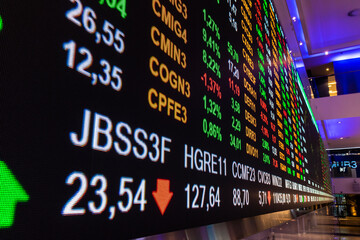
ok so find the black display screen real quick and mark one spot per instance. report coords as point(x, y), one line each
point(122, 119)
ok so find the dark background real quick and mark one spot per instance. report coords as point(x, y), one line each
point(42, 101)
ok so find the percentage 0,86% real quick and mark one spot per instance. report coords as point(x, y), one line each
point(212, 130)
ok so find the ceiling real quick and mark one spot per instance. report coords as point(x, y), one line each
point(321, 32)
point(338, 120)
point(328, 26)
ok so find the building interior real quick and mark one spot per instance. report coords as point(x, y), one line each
point(101, 136)
point(324, 39)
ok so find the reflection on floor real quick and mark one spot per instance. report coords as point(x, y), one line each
point(297, 224)
point(314, 226)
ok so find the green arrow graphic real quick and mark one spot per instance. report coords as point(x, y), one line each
point(11, 192)
point(1, 23)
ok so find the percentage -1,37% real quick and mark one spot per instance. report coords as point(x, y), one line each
point(211, 85)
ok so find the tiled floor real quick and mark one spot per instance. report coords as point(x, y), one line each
point(287, 225)
point(320, 228)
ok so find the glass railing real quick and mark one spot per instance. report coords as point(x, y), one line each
point(330, 85)
point(330, 222)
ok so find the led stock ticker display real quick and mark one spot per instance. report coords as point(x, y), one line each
point(125, 119)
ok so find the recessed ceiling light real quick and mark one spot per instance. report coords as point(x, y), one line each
point(327, 69)
point(341, 138)
point(294, 19)
point(300, 43)
point(354, 13)
point(326, 52)
point(339, 122)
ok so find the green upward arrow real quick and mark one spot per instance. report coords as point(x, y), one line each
point(1, 23)
point(11, 192)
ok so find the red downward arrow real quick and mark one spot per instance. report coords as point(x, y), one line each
point(269, 197)
point(162, 195)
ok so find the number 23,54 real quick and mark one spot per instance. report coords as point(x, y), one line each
point(69, 209)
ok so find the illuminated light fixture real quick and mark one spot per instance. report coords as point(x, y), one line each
point(332, 83)
point(327, 69)
point(332, 91)
point(326, 52)
point(354, 13)
point(341, 138)
point(294, 19)
point(339, 122)
point(300, 43)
